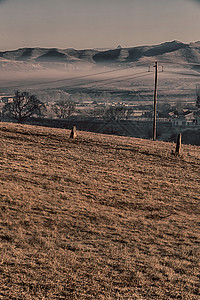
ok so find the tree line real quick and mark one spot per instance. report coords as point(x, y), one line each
point(25, 105)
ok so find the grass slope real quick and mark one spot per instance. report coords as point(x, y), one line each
point(99, 217)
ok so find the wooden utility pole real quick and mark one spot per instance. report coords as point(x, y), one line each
point(155, 101)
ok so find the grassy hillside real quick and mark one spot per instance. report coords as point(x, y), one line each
point(98, 217)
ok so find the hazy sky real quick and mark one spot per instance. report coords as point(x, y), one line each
point(97, 23)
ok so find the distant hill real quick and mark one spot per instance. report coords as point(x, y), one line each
point(170, 51)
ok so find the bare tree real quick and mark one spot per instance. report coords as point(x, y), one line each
point(23, 106)
point(63, 108)
point(115, 112)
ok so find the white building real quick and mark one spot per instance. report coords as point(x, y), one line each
point(186, 120)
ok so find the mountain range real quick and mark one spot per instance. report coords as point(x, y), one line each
point(174, 51)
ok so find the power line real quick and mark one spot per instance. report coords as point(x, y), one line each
point(179, 63)
point(155, 100)
point(84, 83)
point(112, 80)
point(73, 78)
point(183, 74)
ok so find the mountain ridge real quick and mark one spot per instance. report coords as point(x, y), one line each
point(189, 53)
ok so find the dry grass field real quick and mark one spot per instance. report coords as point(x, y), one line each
point(98, 217)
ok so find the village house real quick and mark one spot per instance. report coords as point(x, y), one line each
point(187, 119)
point(6, 99)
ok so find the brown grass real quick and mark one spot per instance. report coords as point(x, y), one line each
point(98, 217)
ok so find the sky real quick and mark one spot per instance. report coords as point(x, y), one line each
point(84, 24)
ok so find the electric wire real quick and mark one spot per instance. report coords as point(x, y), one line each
point(183, 74)
point(113, 80)
point(78, 84)
point(73, 78)
point(178, 63)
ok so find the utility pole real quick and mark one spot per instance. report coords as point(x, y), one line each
point(155, 101)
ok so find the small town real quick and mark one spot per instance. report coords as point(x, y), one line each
point(107, 114)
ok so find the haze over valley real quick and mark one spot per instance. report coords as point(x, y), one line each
point(91, 69)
